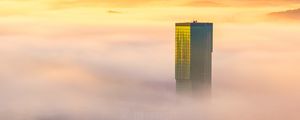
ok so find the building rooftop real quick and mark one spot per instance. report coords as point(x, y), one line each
point(194, 22)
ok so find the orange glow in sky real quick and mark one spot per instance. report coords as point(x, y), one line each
point(68, 56)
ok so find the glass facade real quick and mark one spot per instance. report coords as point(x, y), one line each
point(193, 56)
point(183, 42)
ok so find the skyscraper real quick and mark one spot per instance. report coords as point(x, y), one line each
point(194, 47)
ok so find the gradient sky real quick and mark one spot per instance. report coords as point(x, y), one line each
point(138, 12)
point(88, 59)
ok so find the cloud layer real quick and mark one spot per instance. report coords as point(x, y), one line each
point(91, 72)
point(286, 15)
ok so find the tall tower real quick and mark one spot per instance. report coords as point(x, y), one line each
point(194, 47)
